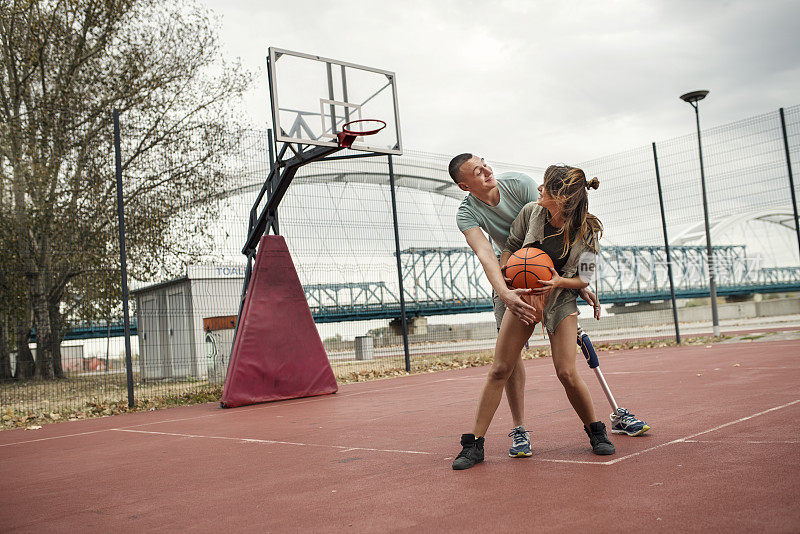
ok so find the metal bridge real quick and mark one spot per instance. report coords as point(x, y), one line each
point(442, 281)
point(451, 280)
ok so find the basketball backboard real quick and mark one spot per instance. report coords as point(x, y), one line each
point(312, 97)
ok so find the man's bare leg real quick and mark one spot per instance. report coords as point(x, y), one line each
point(515, 393)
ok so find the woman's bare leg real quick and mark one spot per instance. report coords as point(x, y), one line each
point(510, 340)
point(564, 350)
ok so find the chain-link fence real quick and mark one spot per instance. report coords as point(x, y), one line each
point(751, 223)
point(188, 192)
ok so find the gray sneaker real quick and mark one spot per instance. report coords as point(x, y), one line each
point(624, 422)
point(521, 445)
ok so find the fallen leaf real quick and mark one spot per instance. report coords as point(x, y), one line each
point(33, 427)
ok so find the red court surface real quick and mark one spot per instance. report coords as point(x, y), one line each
point(723, 455)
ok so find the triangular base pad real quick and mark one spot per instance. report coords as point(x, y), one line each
point(278, 353)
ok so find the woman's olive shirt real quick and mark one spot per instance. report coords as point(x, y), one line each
point(528, 228)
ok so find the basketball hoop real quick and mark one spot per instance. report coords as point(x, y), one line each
point(362, 127)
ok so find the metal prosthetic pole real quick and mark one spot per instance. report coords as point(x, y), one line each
point(594, 364)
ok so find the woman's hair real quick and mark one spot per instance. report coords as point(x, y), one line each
point(569, 187)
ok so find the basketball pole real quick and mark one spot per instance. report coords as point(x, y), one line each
point(122, 257)
point(666, 248)
point(399, 266)
point(791, 180)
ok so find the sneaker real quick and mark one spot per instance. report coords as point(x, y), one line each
point(598, 438)
point(471, 453)
point(521, 446)
point(624, 422)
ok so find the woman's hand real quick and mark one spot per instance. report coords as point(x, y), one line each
point(549, 285)
point(592, 300)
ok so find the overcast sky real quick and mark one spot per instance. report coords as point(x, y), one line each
point(539, 82)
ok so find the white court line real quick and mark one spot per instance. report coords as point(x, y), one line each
point(686, 439)
point(585, 462)
point(53, 437)
point(289, 402)
point(738, 442)
point(268, 441)
point(266, 405)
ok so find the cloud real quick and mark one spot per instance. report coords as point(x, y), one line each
point(535, 82)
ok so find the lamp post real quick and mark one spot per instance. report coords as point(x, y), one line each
point(693, 98)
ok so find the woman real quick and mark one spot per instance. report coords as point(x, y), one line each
point(558, 223)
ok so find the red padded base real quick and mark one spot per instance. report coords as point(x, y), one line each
point(278, 353)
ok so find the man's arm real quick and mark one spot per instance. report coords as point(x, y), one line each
point(511, 297)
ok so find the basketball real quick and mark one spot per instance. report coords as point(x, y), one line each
point(527, 266)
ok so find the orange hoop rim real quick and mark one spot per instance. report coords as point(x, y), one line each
point(349, 131)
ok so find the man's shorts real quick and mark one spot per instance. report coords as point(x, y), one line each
point(499, 309)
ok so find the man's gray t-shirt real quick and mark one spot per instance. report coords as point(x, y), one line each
point(516, 190)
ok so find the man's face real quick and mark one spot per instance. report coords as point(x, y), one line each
point(476, 176)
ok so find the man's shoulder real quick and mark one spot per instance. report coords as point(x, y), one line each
point(466, 204)
point(466, 215)
point(514, 176)
point(519, 185)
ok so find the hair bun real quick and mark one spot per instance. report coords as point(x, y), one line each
point(594, 183)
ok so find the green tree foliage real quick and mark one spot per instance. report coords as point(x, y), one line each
point(63, 66)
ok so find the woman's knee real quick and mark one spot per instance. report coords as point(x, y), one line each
point(568, 376)
point(500, 371)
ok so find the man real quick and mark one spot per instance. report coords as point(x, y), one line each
point(491, 206)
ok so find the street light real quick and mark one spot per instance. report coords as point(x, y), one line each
point(693, 98)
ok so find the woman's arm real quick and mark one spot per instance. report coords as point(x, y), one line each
point(559, 281)
point(569, 283)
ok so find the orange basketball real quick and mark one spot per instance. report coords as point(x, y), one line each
point(527, 266)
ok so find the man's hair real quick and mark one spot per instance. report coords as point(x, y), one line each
point(455, 165)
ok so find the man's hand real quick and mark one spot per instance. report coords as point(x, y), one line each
point(516, 304)
point(518, 301)
point(593, 301)
point(506, 278)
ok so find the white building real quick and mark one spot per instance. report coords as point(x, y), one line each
point(172, 341)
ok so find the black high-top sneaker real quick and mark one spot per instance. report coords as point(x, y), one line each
point(471, 452)
point(599, 439)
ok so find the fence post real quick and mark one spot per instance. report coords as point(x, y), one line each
point(399, 267)
point(791, 181)
point(122, 259)
point(666, 248)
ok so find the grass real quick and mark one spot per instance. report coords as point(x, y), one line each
point(754, 336)
point(38, 402)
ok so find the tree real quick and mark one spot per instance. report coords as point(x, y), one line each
point(64, 66)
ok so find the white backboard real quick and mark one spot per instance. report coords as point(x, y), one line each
point(312, 97)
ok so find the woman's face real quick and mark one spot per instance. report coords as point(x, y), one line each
point(547, 201)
